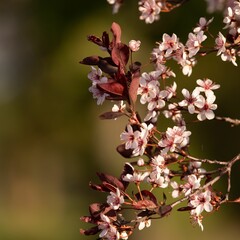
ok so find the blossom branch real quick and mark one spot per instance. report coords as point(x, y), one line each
point(234, 122)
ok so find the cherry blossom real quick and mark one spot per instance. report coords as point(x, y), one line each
point(108, 231)
point(202, 25)
point(134, 45)
point(130, 137)
point(169, 44)
point(220, 44)
point(148, 86)
point(202, 201)
point(206, 107)
point(115, 199)
point(192, 183)
point(229, 55)
point(175, 138)
point(190, 99)
point(176, 189)
point(136, 177)
point(207, 85)
point(194, 42)
point(150, 10)
point(158, 180)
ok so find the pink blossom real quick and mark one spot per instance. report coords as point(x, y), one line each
point(176, 189)
point(148, 86)
point(194, 42)
point(202, 201)
point(202, 25)
point(175, 138)
point(169, 44)
point(115, 199)
point(108, 230)
point(190, 99)
point(134, 45)
point(206, 107)
point(220, 44)
point(136, 177)
point(130, 137)
point(207, 85)
point(192, 183)
point(229, 55)
point(150, 10)
point(96, 76)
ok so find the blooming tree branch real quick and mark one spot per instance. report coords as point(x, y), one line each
point(158, 159)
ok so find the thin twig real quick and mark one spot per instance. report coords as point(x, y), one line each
point(234, 122)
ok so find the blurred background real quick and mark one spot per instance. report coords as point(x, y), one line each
point(51, 140)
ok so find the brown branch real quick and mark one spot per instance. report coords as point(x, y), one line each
point(234, 122)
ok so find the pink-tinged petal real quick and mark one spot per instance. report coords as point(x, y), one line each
point(209, 114)
point(191, 108)
point(208, 207)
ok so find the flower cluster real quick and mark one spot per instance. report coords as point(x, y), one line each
point(158, 160)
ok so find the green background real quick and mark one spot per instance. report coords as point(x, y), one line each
point(51, 140)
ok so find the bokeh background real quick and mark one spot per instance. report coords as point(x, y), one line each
point(51, 140)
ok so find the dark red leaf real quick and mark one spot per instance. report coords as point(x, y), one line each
point(145, 204)
point(127, 153)
point(111, 180)
point(112, 88)
point(105, 39)
point(98, 187)
point(120, 56)
point(164, 210)
point(188, 208)
point(107, 65)
point(146, 195)
point(95, 40)
point(116, 30)
point(91, 231)
point(92, 60)
point(133, 88)
point(96, 208)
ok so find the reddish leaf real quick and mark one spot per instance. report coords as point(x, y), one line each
point(133, 89)
point(188, 208)
point(111, 180)
point(164, 210)
point(96, 208)
point(107, 65)
point(91, 231)
point(93, 60)
point(95, 40)
point(116, 30)
point(145, 204)
point(146, 195)
point(105, 39)
point(111, 115)
point(120, 55)
point(127, 153)
point(112, 88)
point(98, 187)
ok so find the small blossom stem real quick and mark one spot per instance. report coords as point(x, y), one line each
point(139, 190)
